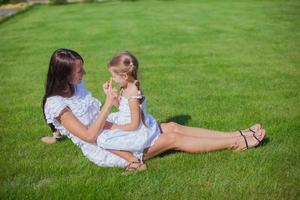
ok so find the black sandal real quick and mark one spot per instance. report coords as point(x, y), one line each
point(254, 136)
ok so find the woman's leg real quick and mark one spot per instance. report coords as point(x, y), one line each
point(205, 133)
point(177, 141)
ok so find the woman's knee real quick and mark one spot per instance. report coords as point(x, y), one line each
point(173, 138)
point(164, 142)
point(170, 127)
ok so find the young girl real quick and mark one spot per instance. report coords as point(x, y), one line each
point(133, 130)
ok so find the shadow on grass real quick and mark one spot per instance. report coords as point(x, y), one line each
point(180, 119)
point(265, 141)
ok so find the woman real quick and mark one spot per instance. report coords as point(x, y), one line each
point(71, 110)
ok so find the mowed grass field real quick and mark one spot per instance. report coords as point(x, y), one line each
point(220, 65)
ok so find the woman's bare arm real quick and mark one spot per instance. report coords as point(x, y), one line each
point(88, 134)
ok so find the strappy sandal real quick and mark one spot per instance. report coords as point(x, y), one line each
point(246, 142)
point(134, 166)
point(254, 135)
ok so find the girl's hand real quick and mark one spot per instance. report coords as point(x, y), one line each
point(108, 125)
point(115, 126)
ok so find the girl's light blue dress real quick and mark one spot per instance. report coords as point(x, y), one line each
point(86, 108)
point(134, 141)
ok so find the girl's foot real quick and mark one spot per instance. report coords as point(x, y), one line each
point(135, 166)
point(247, 142)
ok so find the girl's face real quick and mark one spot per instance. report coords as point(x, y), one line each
point(77, 73)
point(121, 79)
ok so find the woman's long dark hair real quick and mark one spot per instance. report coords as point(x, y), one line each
point(60, 70)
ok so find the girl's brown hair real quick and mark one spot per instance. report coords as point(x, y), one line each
point(126, 62)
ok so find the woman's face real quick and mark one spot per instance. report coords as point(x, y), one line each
point(77, 73)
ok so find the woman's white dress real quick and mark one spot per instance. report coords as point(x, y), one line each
point(86, 109)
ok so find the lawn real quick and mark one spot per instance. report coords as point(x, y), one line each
point(215, 64)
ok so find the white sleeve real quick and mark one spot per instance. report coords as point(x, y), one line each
point(53, 107)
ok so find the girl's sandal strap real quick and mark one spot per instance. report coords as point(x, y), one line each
point(130, 169)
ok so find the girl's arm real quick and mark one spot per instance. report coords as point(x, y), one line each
point(88, 134)
point(135, 109)
point(134, 105)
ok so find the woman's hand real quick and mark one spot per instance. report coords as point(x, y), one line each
point(111, 93)
point(105, 87)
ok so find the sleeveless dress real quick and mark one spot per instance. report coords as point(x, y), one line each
point(134, 141)
point(86, 108)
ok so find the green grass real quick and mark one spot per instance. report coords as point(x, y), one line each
point(213, 64)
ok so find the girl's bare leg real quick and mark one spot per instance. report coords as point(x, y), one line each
point(205, 133)
point(177, 141)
